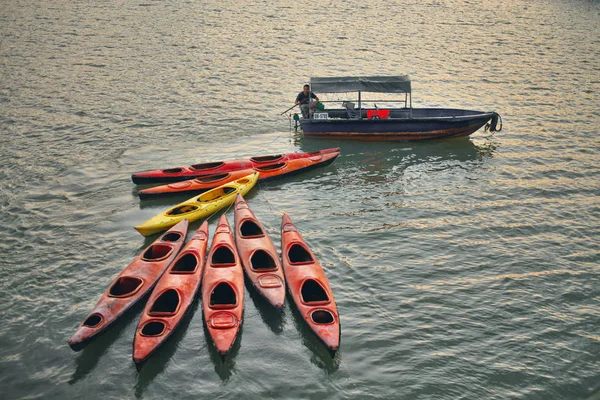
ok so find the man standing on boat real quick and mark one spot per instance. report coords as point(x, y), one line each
point(303, 99)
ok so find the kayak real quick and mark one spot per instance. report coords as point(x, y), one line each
point(308, 286)
point(223, 289)
point(199, 206)
point(172, 297)
point(265, 172)
point(218, 167)
point(258, 255)
point(131, 285)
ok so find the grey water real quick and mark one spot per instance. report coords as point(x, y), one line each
point(462, 269)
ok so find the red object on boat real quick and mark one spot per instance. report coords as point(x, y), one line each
point(218, 167)
point(308, 285)
point(131, 285)
point(223, 289)
point(258, 255)
point(172, 297)
point(381, 114)
point(265, 172)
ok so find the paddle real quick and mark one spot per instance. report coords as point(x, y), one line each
point(288, 109)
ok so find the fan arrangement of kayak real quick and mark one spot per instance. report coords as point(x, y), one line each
point(174, 273)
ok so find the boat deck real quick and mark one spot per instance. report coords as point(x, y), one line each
point(394, 113)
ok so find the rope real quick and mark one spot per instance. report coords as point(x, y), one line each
point(492, 125)
point(273, 210)
point(272, 229)
point(215, 213)
point(276, 137)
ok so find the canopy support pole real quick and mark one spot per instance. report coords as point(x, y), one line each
point(359, 106)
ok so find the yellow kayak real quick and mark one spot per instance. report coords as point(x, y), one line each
point(199, 206)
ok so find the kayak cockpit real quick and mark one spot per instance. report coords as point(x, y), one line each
point(153, 328)
point(184, 209)
point(157, 252)
point(322, 317)
point(211, 178)
point(171, 237)
point(199, 167)
point(166, 304)
point(223, 256)
point(262, 261)
point(172, 170)
point(93, 320)
point(223, 296)
point(263, 159)
point(272, 167)
point(297, 254)
point(250, 229)
point(313, 293)
point(186, 264)
point(125, 286)
point(216, 194)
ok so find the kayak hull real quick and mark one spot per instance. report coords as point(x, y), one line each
point(223, 289)
point(199, 206)
point(172, 297)
point(258, 255)
point(192, 171)
point(308, 286)
point(131, 285)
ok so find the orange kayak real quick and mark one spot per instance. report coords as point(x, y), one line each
point(223, 289)
point(218, 167)
point(265, 172)
point(308, 285)
point(172, 297)
point(131, 285)
point(258, 255)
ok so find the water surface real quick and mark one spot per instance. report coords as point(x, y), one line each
point(464, 268)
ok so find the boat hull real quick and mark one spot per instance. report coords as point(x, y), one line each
point(425, 124)
point(172, 297)
point(131, 285)
point(223, 289)
point(258, 255)
point(265, 173)
point(192, 171)
point(308, 286)
point(199, 206)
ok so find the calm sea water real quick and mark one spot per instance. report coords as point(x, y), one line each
point(462, 269)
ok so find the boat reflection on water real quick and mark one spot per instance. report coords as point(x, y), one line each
point(377, 159)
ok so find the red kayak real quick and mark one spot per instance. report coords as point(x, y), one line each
point(259, 257)
point(265, 172)
point(131, 285)
point(172, 297)
point(308, 285)
point(219, 167)
point(223, 289)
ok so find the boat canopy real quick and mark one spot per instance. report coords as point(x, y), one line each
point(376, 84)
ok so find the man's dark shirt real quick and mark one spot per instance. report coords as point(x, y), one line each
point(303, 99)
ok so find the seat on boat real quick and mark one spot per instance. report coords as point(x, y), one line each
point(350, 110)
